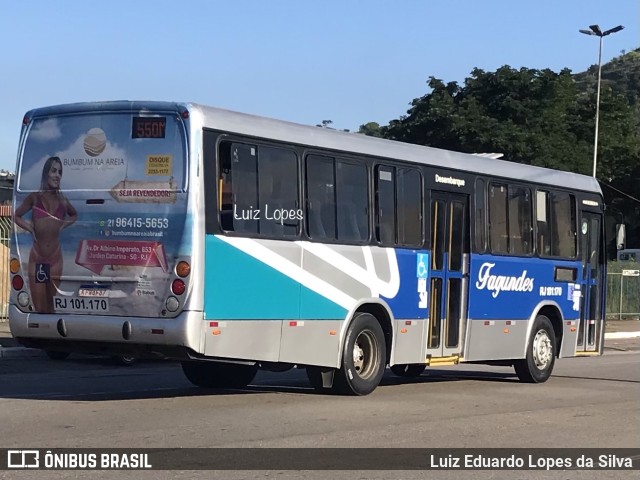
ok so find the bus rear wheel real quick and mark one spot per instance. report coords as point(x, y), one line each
point(219, 375)
point(363, 357)
point(537, 366)
point(408, 370)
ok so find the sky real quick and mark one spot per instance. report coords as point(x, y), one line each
point(348, 61)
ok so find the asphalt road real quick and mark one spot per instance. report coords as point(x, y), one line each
point(88, 402)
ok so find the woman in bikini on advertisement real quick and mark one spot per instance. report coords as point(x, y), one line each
point(51, 212)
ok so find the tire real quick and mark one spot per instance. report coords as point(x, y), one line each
point(363, 357)
point(408, 370)
point(57, 355)
point(537, 366)
point(124, 360)
point(219, 375)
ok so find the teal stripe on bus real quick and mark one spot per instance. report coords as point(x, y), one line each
point(238, 286)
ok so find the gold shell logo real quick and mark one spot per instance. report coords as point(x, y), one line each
point(95, 142)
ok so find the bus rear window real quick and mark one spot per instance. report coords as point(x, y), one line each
point(122, 153)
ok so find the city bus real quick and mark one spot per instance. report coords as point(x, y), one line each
point(233, 243)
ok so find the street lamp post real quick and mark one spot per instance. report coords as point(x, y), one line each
point(595, 30)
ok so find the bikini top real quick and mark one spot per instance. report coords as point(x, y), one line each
point(39, 210)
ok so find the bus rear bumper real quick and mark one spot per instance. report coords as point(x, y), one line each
point(141, 336)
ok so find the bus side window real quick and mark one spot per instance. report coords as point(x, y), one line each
point(409, 204)
point(225, 194)
point(278, 191)
point(226, 206)
point(480, 219)
point(238, 187)
point(385, 208)
point(520, 229)
point(352, 198)
point(542, 223)
point(320, 200)
point(563, 218)
point(498, 233)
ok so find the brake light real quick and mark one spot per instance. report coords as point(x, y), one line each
point(178, 287)
point(17, 282)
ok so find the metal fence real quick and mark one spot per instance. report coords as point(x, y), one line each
point(5, 231)
point(623, 292)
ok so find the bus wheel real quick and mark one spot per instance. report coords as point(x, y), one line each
point(408, 370)
point(363, 357)
point(541, 353)
point(219, 375)
point(57, 355)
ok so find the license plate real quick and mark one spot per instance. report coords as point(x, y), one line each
point(80, 304)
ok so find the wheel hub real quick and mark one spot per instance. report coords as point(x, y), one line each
point(542, 350)
point(365, 354)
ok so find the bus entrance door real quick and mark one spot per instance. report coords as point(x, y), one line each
point(449, 274)
point(591, 318)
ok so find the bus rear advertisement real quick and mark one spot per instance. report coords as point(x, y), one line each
point(99, 226)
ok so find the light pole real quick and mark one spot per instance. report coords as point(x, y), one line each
point(595, 30)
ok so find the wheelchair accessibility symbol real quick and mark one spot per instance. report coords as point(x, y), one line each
point(423, 261)
point(42, 272)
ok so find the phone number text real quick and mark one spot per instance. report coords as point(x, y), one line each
point(138, 222)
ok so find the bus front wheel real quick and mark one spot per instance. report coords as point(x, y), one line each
point(537, 366)
point(219, 375)
point(363, 357)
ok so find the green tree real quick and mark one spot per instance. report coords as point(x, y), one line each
point(538, 117)
point(372, 129)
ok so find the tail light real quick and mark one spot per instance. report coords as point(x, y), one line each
point(178, 287)
point(17, 282)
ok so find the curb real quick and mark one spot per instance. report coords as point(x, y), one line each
point(617, 335)
point(24, 352)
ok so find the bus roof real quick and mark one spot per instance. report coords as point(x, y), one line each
point(252, 125)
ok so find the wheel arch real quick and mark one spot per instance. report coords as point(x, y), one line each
point(553, 312)
point(382, 313)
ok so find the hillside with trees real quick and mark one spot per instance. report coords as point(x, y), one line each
point(543, 118)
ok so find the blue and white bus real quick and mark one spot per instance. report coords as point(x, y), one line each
point(232, 242)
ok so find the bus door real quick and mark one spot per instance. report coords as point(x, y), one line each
point(591, 318)
point(449, 273)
